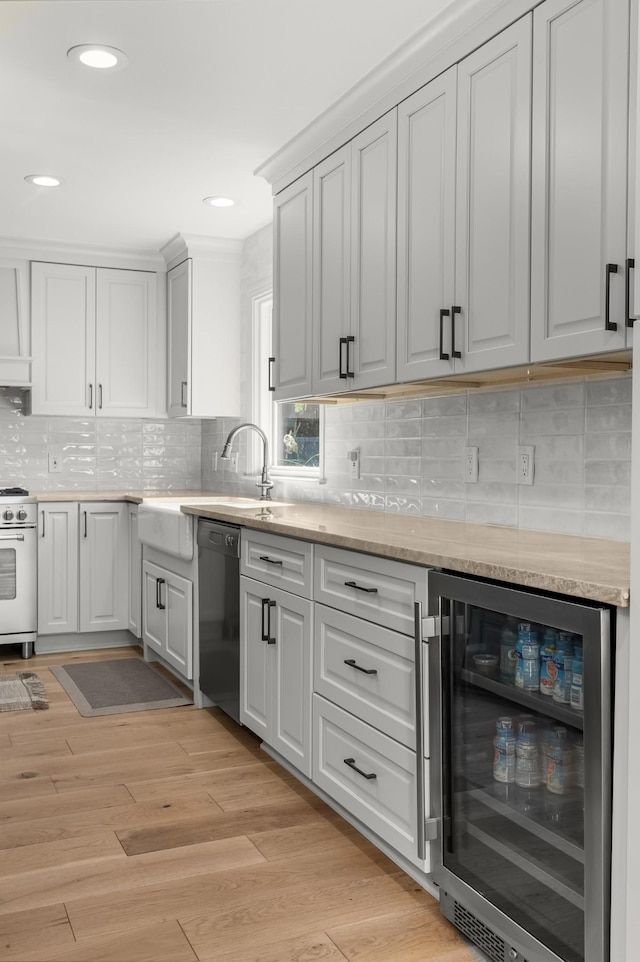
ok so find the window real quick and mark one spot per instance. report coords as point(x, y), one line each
point(294, 428)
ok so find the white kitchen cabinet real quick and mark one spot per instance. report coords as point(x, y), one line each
point(135, 574)
point(579, 191)
point(167, 611)
point(57, 568)
point(104, 566)
point(292, 289)
point(463, 277)
point(203, 327)
point(15, 353)
point(276, 669)
point(94, 341)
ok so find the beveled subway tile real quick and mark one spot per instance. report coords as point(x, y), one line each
point(447, 427)
point(479, 512)
point(553, 396)
point(368, 430)
point(368, 499)
point(436, 448)
point(403, 505)
point(400, 410)
point(495, 402)
point(404, 428)
point(445, 406)
point(607, 525)
point(441, 508)
point(369, 482)
point(558, 472)
point(553, 422)
point(442, 468)
point(495, 469)
point(616, 391)
point(607, 472)
point(447, 490)
point(403, 485)
point(553, 495)
point(616, 446)
point(406, 466)
point(561, 447)
point(492, 491)
point(538, 518)
point(502, 449)
point(496, 425)
point(340, 431)
point(403, 448)
point(610, 417)
point(612, 498)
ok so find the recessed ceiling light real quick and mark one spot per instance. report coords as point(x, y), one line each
point(219, 201)
point(98, 56)
point(43, 180)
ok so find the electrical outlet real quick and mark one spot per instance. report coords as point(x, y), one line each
point(354, 461)
point(55, 462)
point(471, 465)
point(525, 464)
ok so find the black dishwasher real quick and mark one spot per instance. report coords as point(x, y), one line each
point(219, 614)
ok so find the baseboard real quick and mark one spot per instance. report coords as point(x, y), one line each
point(85, 641)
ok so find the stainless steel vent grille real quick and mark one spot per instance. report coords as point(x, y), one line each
point(487, 940)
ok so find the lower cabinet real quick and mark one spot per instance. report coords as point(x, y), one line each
point(276, 669)
point(167, 616)
point(83, 567)
point(135, 574)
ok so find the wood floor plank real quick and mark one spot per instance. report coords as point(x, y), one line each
point(158, 943)
point(26, 784)
point(110, 763)
point(23, 941)
point(311, 947)
point(53, 746)
point(32, 859)
point(93, 799)
point(420, 936)
point(329, 831)
point(118, 874)
point(117, 818)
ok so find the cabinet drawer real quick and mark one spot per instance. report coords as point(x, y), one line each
point(281, 562)
point(367, 670)
point(377, 589)
point(386, 803)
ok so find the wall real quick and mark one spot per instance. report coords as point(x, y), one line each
point(412, 452)
point(95, 453)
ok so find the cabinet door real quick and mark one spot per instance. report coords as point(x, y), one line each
point(255, 682)
point(331, 271)
point(154, 620)
point(426, 229)
point(292, 289)
point(15, 366)
point(104, 566)
point(63, 306)
point(372, 355)
point(135, 574)
point(580, 98)
point(126, 343)
point(57, 568)
point(290, 729)
point(177, 596)
point(492, 203)
point(179, 280)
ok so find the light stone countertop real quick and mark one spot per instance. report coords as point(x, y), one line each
point(592, 568)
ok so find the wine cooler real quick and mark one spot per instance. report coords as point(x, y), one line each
point(521, 750)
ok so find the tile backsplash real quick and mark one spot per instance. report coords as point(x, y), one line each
point(412, 457)
point(95, 453)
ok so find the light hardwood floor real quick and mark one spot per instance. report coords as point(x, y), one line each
point(170, 836)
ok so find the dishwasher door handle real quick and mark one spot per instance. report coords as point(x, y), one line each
point(267, 605)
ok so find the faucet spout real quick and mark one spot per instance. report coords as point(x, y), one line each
point(265, 484)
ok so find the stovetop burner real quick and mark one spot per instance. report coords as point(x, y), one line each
point(13, 493)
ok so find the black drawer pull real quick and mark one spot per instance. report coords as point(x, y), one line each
point(270, 561)
point(365, 671)
point(454, 310)
point(351, 762)
point(443, 313)
point(352, 584)
point(629, 266)
point(609, 325)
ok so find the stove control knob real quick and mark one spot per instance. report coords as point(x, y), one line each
point(22, 515)
point(8, 515)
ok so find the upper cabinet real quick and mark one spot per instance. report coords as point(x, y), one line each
point(579, 196)
point(94, 341)
point(203, 328)
point(463, 238)
point(15, 360)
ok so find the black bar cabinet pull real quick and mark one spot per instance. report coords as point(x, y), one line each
point(630, 265)
point(100, 395)
point(85, 524)
point(272, 361)
point(342, 372)
point(270, 639)
point(444, 312)
point(352, 584)
point(454, 310)
point(609, 325)
point(43, 524)
point(159, 583)
point(349, 340)
point(365, 671)
point(90, 396)
point(270, 561)
point(267, 605)
point(351, 762)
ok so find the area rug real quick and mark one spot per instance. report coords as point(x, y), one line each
point(115, 687)
point(24, 690)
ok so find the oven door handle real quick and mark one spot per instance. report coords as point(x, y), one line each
point(11, 537)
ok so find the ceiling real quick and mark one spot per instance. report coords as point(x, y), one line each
point(211, 90)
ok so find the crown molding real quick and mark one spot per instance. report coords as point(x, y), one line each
point(449, 37)
point(199, 245)
point(28, 248)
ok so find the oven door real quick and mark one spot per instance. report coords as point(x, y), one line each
point(18, 599)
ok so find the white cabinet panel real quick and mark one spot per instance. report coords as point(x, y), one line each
point(579, 195)
point(104, 566)
point(491, 327)
point(15, 351)
point(57, 568)
point(179, 312)
point(292, 289)
point(135, 574)
point(153, 618)
point(255, 659)
point(167, 625)
point(426, 228)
